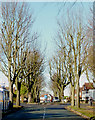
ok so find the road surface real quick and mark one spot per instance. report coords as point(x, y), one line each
point(43, 112)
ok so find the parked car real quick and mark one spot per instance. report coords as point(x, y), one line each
point(56, 99)
point(42, 99)
point(25, 99)
point(65, 100)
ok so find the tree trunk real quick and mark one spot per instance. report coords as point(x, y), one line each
point(59, 95)
point(18, 98)
point(18, 93)
point(10, 81)
point(55, 93)
point(73, 95)
point(22, 98)
point(32, 92)
point(11, 95)
point(77, 84)
point(62, 94)
point(78, 95)
point(29, 97)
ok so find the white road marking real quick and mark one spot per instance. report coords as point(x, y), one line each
point(44, 114)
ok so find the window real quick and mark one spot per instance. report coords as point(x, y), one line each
point(86, 91)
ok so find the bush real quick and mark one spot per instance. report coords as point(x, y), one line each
point(65, 97)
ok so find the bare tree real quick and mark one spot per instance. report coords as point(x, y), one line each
point(58, 73)
point(90, 36)
point(15, 29)
point(53, 84)
point(35, 65)
point(72, 39)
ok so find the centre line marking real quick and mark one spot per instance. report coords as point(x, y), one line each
point(44, 114)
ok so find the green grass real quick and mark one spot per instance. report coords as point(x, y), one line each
point(88, 113)
point(15, 106)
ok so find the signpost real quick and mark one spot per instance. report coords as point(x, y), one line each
point(45, 98)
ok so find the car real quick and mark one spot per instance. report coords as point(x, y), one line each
point(56, 99)
point(42, 99)
point(65, 100)
point(25, 99)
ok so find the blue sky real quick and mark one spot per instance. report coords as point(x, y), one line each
point(46, 24)
point(46, 15)
point(46, 19)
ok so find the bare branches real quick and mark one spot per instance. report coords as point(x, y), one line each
point(17, 21)
point(73, 52)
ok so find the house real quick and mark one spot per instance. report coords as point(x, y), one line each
point(46, 97)
point(42, 98)
point(88, 90)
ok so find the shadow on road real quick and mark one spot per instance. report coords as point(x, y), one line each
point(43, 112)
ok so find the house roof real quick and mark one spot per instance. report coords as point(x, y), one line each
point(88, 86)
point(43, 95)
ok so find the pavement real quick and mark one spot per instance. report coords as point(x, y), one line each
point(85, 106)
point(89, 108)
point(43, 112)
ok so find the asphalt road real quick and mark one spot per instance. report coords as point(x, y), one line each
point(43, 112)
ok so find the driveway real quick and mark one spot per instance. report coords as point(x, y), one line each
point(43, 112)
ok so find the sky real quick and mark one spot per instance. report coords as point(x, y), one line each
point(46, 14)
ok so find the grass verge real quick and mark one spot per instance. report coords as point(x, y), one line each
point(82, 111)
point(16, 107)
